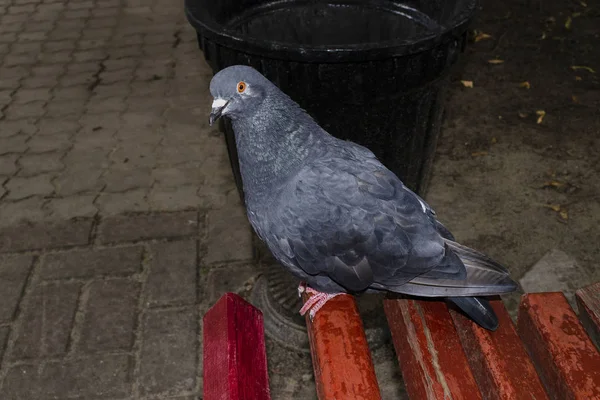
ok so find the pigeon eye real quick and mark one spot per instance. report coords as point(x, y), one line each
point(241, 87)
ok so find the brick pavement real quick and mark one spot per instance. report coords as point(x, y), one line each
point(119, 218)
point(111, 307)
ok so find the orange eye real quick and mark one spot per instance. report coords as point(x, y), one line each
point(241, 87)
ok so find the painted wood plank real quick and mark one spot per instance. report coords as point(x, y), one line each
point(565, 357)
point(341, 358)
point(588, 302)
point(432, 361)
point(499, 361)
point(235, 362)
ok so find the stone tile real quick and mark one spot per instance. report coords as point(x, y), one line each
point(99, 376)
point(13, 144)
point(73, 181)
point(35, 164)
point(11, 60)
point(21, 188)
point(56, 109)
point(182, 153)
point(12, 128)
point(87, 158)
point(4, 331)
point(45, 235)
point(48, 70)
point(120, 180)
point(110, 316)
point(49, 143)
point(122, 202)
point(59, 57)
point(168, 177)
point(100, 106)
point(34, 109)
point(39, 82)
point(115, 261)
point(16, 212)
point(139, 155)
point(5, 99)
point(60, 44)
point(21, 382)
point(172, 278)
point(24, 96)
point(229, 236)
point(70, 207)
point(8, 164)
point(51, 126)
point(228, 279)
point(174, 198)
point(47, 321)
point(27, 47)
point(107, 90)
point(100, 139)
point(71, 93)
point(76, 68)
point(135, 227)
point(14, 271)
point(169, 352)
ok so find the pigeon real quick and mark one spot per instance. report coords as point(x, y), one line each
point(334, 216)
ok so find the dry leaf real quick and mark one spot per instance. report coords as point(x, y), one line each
point(575, 99)
point(543, 36)
point(553, 207)
point(467, 84)
point(563, 214)
point(578, 78)
point(523, 115)
point(525, 85)
point(479, 153)
point(541, 114)
point(495, 61)
point(555, 184)
point(568, 23)
point(577, 67)
point(482, 36)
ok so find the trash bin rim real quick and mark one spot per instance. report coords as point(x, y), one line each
point(209, 29)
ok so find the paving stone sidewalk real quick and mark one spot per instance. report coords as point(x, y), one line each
point(119, 218)
point(110, 308)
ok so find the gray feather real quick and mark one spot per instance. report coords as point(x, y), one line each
point(333, 215)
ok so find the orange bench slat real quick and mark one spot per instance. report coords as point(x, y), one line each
point(588, 302)
point(235, 361)
point(564, 355)
point(341, 357)
point(430, 355)
point(499, 361)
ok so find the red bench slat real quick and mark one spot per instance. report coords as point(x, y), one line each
point(235, 362)
point(588, 301)
point(341, 357)
point(499, 361)
point(564, 355)
point(431, 358)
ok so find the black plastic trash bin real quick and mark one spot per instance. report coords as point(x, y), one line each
point(370, 71)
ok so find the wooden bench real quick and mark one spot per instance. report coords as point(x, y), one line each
point(441, 353)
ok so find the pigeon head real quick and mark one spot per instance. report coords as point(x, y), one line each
point(237, 91)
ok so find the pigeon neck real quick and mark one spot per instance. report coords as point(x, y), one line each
point(273, 144)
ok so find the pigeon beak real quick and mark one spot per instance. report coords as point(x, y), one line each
point(218, 106)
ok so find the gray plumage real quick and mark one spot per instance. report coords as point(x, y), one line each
point(333, 215)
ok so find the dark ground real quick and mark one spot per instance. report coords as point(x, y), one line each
point(495, 164)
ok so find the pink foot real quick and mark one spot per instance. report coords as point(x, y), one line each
point(316, 301)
